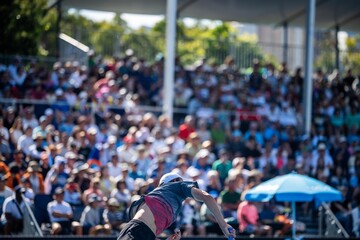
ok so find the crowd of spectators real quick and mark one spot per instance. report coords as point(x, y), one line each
point(79, 133)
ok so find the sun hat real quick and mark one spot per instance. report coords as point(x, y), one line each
point(58, 191)
point(168, 177)
point(193, 172)
point(113, 202)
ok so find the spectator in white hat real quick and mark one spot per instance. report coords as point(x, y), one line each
point(321, 159)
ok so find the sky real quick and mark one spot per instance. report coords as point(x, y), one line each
point(135, 21)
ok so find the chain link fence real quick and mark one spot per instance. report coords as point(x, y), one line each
point(150, 47)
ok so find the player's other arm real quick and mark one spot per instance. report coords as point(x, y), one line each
point(210, 202)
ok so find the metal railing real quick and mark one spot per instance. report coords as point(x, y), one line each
point(217, 50)
point(244, 52)
point(72, 50)
point(92, 108)
point(329, 225)
point(27, 60)
point(143, 108)
point(31, 226)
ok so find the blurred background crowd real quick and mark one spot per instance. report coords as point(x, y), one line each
point(89, 139)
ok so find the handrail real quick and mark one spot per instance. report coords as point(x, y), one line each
point(74, 42)
point(33, 219)
point(13, 101)
point(144, 108)
point(334, 220)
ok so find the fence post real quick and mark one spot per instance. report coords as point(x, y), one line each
point(308, 84)
point(58, 30)
point(321, 220)
point(286, 42)
point(337, 52)
point(168, 98)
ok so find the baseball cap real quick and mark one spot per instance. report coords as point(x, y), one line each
point(168, 177)
point(3, 177)
point(193, 172)
point(94, 198)
point(113, 202)
point(92, 131)
point(49, 112)
point(42, 119)
point(59, 190)
point(70, 155)
point(60, 160)
point(322, 146)
point(59, 92)
point(111, 139)
point(202, 154)
point(19, 189)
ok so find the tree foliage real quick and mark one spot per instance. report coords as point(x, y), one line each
point(144, 44)
point(349, 57)
point(36, 27)
point(21, 26)
point(325, 54)
point(352, 56)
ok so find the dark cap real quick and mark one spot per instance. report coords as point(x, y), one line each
point(14, 168)
point(18, 151)
point(222, 151)
point(94, 198)
point(19, 189)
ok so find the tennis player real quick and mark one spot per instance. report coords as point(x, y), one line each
point(156, 211)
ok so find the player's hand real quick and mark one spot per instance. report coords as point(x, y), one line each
point(229, 231)
point(175, 236)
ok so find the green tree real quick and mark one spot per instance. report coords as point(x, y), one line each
point(158, 32)
point(218, 42)
point(144, 44)
point(48, 36)
point(79, 27)
point(107, 38)
point(352, 55)
point(31, 30)
point(21, 26)
point(191, 46)
point(224, 40)
point(325, 54)
point(198, 41)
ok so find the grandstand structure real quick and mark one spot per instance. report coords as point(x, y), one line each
point(329, 14)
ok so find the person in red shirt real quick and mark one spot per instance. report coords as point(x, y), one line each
point(248, 217)
point(187, 127)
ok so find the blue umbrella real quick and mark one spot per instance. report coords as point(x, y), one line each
point(293, 188)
